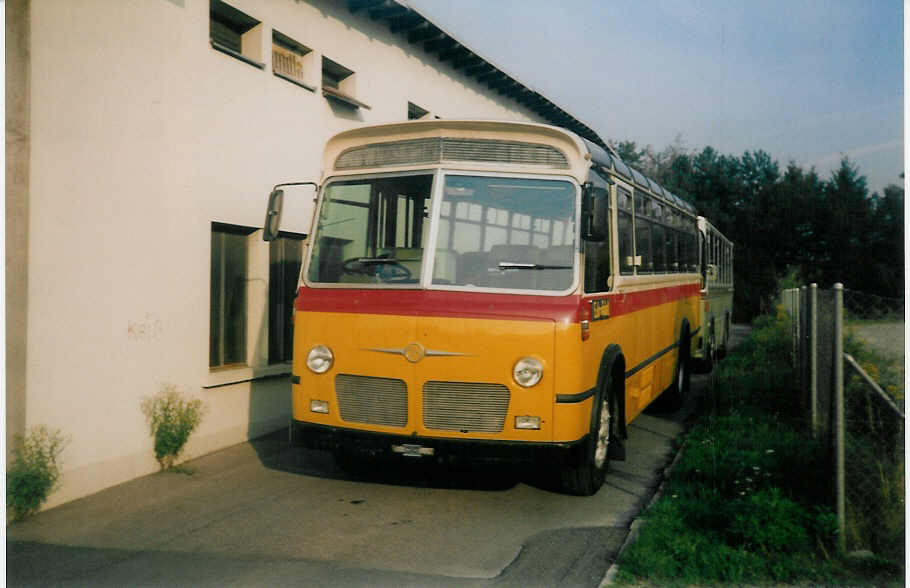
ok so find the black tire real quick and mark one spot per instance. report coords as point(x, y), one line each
point(722, 350)
point(711, 351)
point(585, 477)
point(675, 395)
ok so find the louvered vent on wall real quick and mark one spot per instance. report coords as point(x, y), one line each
point(439, 149)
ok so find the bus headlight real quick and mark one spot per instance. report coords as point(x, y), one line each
point(320, 359)
point(527, 372)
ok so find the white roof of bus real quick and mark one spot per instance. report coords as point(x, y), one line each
point(581, 153)
point(571, 145)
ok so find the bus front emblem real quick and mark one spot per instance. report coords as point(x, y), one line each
point(414, 352)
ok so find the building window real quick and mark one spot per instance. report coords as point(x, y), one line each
point(292, 61)
point(235, 33)
point(228, 308)
point(285, 254)
point(339, 84)
point(415, 112)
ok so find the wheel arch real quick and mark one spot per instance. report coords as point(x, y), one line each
point(685, 338)
point(613, 369)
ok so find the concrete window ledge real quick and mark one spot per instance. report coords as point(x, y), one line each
point(226, 377)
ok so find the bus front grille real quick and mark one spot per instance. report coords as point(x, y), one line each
point(433, 150)
point(465, 406)
point(373, 401)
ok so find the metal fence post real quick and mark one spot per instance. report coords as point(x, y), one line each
point(840, 433)
point(813, 355)
point(802, 329)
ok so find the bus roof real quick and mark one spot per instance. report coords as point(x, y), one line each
point(611, 161)
point(481, 145)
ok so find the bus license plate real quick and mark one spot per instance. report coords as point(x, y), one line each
point(410, 450)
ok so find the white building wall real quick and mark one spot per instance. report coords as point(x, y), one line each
point(142, 135)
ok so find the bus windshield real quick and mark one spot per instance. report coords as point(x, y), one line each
point(506, 233)
point(372, 230)
point(500, 233)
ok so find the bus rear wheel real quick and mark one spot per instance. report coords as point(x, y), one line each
point(675, 396)
point(710, 353)
point(585, 477)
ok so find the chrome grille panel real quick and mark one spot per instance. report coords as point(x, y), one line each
point(503, 152)
point(439, 149)
point(414, 151)
point(465, 406)
point(371, 400)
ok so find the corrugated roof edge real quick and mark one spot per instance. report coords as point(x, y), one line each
point(405, 20)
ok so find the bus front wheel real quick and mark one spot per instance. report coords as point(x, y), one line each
point(585, 477)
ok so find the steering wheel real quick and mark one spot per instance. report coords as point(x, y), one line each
point(393, 272)
point(387, 270)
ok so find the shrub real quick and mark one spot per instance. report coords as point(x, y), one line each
point(741, 503)
point(34, 471)
point(172, 419)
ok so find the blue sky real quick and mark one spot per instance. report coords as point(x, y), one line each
point(805, 80)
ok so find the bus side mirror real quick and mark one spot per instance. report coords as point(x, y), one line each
point(596, 213)
point(712, 271)
point(273, 215)
point(300, 216)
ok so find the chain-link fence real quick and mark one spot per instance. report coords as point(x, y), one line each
point(849, 353)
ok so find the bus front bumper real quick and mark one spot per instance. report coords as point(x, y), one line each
point(384, 445)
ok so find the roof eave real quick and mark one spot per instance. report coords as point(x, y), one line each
point(416, 28)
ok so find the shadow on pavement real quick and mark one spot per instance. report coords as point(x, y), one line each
point(275, 452)
point(41, 564)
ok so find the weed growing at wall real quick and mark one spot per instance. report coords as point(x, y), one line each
point(171, 419)
point(34, 471)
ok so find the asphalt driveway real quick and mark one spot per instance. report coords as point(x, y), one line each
point(262, 513)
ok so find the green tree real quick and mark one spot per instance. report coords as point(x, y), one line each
point(786, 223)
point(844, 225)
point(886, 243)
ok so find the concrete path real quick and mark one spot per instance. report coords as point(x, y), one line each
point(262, 514)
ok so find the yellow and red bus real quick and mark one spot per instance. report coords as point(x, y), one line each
point(499, 290)
point(716, 294)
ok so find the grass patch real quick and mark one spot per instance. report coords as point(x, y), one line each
point(747, 500)
point(875, 486)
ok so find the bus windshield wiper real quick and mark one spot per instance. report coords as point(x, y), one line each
point(376, 260)
point(531, 266)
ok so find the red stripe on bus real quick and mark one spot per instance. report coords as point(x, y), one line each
point(442, 303)
point(626, 303)
point(439, 303)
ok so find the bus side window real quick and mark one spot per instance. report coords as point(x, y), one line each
point(624, 229)
point(672, 250)
point(644, 254)
point(660, 248)
point(597, 266)
point(643, 249)
point(693, 248)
